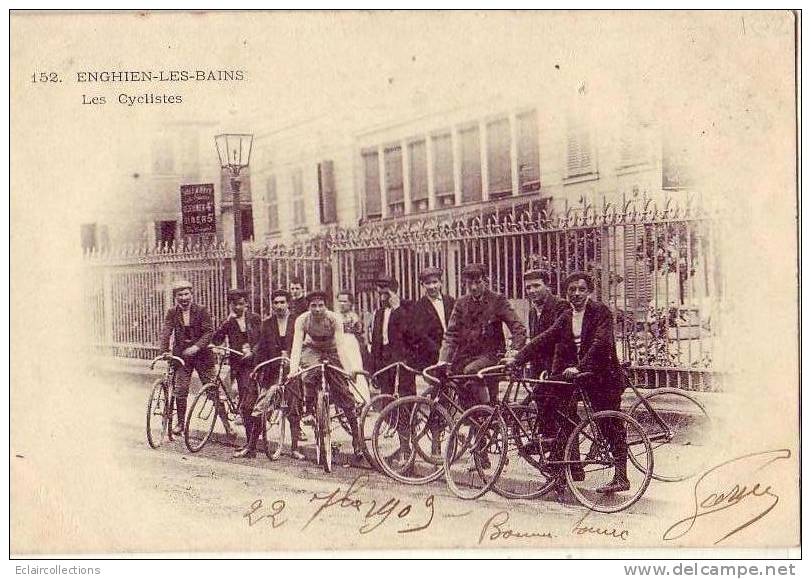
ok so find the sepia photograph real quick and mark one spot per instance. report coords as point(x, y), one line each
point(364, 283)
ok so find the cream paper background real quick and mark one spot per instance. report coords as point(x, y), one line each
point(729, 73)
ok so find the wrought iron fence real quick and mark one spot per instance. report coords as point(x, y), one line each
point(654, 265)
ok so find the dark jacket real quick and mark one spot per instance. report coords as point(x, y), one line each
point(597, 353)
point(552, 308)
point(424, 331)
point(199, 332)
point(398, 341)
point(271, 344)
point(230, 329)
point(475, 327)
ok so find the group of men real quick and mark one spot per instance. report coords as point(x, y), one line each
point(567, 337)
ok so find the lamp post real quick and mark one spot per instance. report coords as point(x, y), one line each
point(234, 151)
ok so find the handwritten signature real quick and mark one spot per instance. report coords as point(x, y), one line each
point(580, 528)
point(718, 489)
point(496, 528)
point(374, 513)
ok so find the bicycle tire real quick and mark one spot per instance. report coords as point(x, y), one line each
point(520, 477)
point(205, 408)
point(156, 407)
point(322, 421)
point(608, 502)
point(401, 407)
point(274, 426)
point(484, 428)
point(681, 443)
point(366, 426)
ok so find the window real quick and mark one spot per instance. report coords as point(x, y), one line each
point(298, 200)
point(529, 173)
point(371, 181)
point(499, 165)
point(393, 160)
point(165, 232)
point(471, 164)
point(418, 176)
point(443, 170)
point(580, 157)
point(326, 192)
point(272, 202)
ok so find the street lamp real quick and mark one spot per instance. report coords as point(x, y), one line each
point(234, 151)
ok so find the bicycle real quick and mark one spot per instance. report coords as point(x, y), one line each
point(483, 432)
point(321, 410)
point(161, 402)
point(678, 427)
point(213, 400)
point(272, 405)
point(419, 420)
point(374, 407)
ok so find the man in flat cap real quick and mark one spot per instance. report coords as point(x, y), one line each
point(389, 340)
point(474, 338)
point(190, 325)
point(241, 329)
point(429, 318)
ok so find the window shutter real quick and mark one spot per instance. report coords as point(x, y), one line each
point(326, 192)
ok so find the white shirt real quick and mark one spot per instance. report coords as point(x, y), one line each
point(439, 306)
point(241, 323)
point(186, 316)
point(386, 316)
point(577, 326)
point(281, 324)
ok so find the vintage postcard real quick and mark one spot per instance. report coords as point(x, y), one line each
point(397, 281)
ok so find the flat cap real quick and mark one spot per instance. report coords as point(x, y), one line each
point(532, 274)
point(474, 271)
point(430, 272)
point(180, 284)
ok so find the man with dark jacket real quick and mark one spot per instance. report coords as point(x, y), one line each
point(389, 337)
point(475, 336)
point(241, 330)
point(544, 309)
point(275, 340)
point(428, 319)
point(584, 340)
point(297, 300)
point(190, 325)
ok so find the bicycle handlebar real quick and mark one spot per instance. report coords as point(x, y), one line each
point(168, 357)
point(497, 369)
point(393, 365)
point(341, 371)
point(223, 350)
point(281, 359)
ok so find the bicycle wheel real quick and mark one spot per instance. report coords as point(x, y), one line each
point(157, 408)
point(201, 418)
point(273, 421)
point(396, 454)
point(588, 447)
point(475, 452)
point(680, 431)
point(323, 434)
point(366, 424)
point(525, 474)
